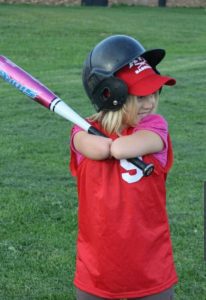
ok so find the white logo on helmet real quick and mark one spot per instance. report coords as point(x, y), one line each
point(140, 65)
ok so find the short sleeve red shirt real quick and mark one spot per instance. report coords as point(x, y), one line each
point(124, 248)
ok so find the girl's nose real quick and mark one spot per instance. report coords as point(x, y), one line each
point(149, 102)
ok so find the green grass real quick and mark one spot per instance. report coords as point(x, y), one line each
point(38, 202)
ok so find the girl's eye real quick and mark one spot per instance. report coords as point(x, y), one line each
point(140, 98)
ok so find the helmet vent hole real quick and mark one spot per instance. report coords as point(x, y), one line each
point(106, 94)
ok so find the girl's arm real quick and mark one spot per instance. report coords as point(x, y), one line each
point(92, 146)
point(140, 143)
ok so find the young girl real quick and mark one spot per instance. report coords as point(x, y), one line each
point(124, 249)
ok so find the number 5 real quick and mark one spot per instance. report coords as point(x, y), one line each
point(128, 167)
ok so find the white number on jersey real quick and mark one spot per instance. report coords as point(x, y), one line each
point(128, 167)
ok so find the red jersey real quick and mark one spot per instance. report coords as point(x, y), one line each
point(124, 248)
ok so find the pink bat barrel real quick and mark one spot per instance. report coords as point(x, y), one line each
point(24, 82)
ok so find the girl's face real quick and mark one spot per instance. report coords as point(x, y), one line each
point(146, 105)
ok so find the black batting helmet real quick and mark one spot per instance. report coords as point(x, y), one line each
point(105, 91)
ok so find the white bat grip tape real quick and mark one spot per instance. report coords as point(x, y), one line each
point(63, 110)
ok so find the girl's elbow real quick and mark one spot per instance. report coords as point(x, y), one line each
point(103, 149)
point(104, 153)
point(116, 152)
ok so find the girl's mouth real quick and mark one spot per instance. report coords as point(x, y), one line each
point(144, 113)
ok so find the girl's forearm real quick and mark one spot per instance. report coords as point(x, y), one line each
point(92, 146)
point(137, 144)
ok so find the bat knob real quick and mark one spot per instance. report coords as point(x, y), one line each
point(148, 169)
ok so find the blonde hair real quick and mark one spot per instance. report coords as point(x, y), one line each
point(116, 121)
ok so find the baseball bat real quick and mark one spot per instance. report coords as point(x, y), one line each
point(34, 89)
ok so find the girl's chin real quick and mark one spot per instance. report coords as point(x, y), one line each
point(145, 114)
point(141, 116)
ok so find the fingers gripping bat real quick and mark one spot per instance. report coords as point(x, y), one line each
point(34, 89)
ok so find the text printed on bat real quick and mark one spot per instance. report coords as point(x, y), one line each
point(18, 85)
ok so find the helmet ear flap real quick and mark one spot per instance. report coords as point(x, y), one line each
point(110, 94)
